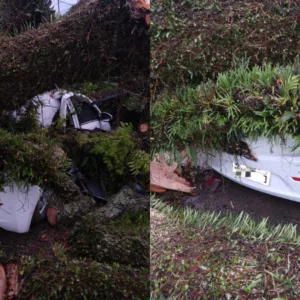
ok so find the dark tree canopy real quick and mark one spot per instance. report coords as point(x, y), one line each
point(17, 15)
point(99, 41)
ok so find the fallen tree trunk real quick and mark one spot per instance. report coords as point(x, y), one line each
point(105, 244)
point(125, 201)
point(100, 40)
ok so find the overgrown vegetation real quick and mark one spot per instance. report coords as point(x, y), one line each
point(36, 158)
point(203, 102)
point(243, 102)
point(117, 157)
point(195, 40)
point(84, 279)
point(99, 48)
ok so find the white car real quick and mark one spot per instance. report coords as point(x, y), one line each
point(276, 170)
point(19, 203)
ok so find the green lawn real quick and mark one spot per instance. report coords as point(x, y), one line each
point(228, 257)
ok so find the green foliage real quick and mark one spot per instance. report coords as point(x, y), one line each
point(196, 40)
point(115, 148)
point(229, 244)
point(120, 152)
point(116, 153)
point(26, 121)
point(30, 159)
point(241, 224)
point(87, 88)
point(139, 162)
point(244, 102)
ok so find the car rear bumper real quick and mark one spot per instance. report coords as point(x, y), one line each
point(278, 159)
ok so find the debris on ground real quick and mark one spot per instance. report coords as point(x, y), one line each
point(127, 200)
point(52, 216)
point(93, 188)
point(68, 211)
point(163, 177)
point(207, 182)
point(44, 238)
point(211, 183)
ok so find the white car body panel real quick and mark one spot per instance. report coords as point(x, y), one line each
point(96, 124)
point(17, 205)
point(47, 107)
point(49, 103)
point(276, 158)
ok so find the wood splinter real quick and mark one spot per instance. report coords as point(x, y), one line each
point(2, 282)
point(12, 274)
point(144, 127)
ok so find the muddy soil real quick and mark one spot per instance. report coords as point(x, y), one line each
point(233, 197)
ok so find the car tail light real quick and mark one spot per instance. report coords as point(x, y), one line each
point(296, 178)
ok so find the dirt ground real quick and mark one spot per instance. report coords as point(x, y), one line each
point(40, 237)
point(233, 197)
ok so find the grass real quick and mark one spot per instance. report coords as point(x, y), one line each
point(201, 255)
point(71, 278)
point(242, 224)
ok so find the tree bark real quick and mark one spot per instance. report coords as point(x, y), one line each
point(125, 201)
point(98, 40)
point(104, 244)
